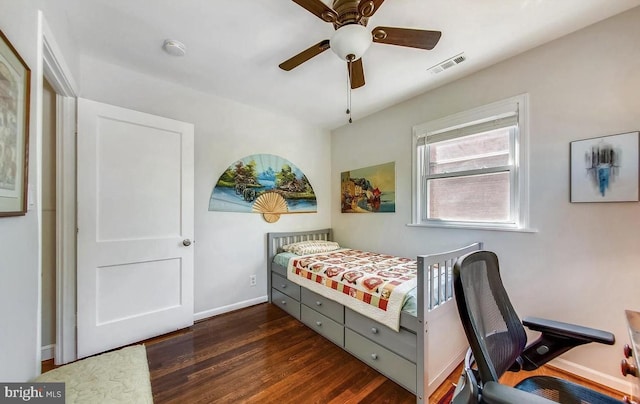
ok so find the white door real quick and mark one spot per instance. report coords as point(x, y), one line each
point(135, 225)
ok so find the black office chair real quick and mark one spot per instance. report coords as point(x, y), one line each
point(497, 341)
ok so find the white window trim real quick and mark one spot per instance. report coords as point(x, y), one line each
point(521, 193)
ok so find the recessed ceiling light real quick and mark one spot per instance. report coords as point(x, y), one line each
point(173, 47)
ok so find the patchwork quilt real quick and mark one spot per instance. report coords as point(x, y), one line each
point(374, 285)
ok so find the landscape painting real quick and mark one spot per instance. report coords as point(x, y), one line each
point(369, 190)
point(263, 183)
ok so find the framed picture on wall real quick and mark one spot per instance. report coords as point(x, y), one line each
point(369, 189)
point(606, 169)
point(15, 79)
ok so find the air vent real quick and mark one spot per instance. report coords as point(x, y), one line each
point(442, 66)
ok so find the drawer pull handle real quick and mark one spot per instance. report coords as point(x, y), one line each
point(319, 323)
point(374, 330)
point(283, 286)
point(284, 302)
point(628, 369)
point(374, 356)
point(318, 303)
point(628, 352)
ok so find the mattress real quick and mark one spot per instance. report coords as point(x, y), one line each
point(409, 306)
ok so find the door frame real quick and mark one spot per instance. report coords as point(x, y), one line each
point(56, 71)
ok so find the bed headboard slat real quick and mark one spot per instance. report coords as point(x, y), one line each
point(277, 240)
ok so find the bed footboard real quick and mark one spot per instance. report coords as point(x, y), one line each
point(441, 340)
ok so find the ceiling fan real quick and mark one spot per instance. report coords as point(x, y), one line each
point(352, 39)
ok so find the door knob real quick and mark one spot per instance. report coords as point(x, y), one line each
point(186, 242)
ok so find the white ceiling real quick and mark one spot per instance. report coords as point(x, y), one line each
point(234, 47)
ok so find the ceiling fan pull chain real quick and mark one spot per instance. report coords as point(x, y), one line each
point(349, 88)
point(350, 62)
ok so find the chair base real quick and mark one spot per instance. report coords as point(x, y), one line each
point(562, 391)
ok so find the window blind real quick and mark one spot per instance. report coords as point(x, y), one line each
point(503, 120)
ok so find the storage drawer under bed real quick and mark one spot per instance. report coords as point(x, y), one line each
point(279, 269)
point(286, 303)
point(323, 305)
point(285, 286)
point(323, 325)
point(402, 342)
point(388, 363)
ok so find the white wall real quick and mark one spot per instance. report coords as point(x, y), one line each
point(20, 247)
point(229, 247)
point(583, 264)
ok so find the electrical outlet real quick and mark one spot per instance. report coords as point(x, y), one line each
point(252, 280)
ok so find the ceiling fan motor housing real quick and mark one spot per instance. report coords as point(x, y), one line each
point(348, 12)
point(351, 39)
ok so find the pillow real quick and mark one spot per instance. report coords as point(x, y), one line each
point(311, 247)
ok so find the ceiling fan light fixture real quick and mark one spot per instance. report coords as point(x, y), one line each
point(351, 39)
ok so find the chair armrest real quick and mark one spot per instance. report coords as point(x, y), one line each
point(496, 393)
point(569, 330)
point(556, 339)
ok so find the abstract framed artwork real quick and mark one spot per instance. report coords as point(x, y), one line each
point(606, 169)
point(15, 79)
point(369, 190)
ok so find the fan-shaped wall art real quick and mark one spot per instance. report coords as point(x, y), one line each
point(263, 183)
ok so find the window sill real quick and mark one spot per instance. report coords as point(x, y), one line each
point(474, 227)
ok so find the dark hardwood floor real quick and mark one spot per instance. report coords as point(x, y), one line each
point(262, 355)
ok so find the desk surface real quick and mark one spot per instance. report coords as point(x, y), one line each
point(633, 323)
point(633, 320)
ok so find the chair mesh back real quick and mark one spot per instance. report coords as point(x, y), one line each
point(494, 331)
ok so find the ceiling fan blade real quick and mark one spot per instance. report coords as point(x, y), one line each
point(356, 74)
point(319, 9)
point(367, 8)
point(305, 55)
point(412, 38)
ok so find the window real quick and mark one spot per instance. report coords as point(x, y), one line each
point(470, 169)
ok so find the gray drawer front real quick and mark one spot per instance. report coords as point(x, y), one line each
point(285, 286)
point(286, 303)
point(325, 306)
point(408, 321)
point(386, 362)
point(403, 342)
point(279, 269)
point(323, 325)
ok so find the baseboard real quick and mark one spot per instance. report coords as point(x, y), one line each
point(597, 377)
point(48, 352)
point(225, 309)
point(442, 376)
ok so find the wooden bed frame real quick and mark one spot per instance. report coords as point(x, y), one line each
point(418, 357)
